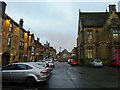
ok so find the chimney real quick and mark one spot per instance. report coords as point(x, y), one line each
point(38, 39)
point(2, 7)
point(21, 22)
point(112, 8)
point(28, 32)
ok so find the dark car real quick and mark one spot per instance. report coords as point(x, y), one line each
point(115, 63)
point(73, 62)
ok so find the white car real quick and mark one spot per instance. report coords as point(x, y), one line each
point(43, 64)
point(28, 73)
point(50, 62)
point(96, 63)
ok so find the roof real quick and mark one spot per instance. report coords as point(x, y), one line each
point(6, 16)
point(93, 19)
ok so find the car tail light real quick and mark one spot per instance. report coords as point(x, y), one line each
point(44, 71)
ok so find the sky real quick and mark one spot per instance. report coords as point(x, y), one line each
point(54, 21)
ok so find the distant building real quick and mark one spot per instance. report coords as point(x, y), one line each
point(49, 51)
point(98, 35)
point(64, 55)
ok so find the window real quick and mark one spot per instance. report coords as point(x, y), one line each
point(23, 67)
point(9, 67)
point(9, 41)
point(116, 31)
point(89, 33)
point(16, 67)
point(21, 45)
point(11, 26)
point(115, 35)
point(90, 54)
point(22, 34)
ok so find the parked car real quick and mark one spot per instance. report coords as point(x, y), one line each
point(28, 73)
point(115, 63)
point(46, 65)
point(73, 62)
point(96, 63)
point(50, 62)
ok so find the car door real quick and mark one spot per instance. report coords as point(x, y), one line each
point(6, 73)
point(19, 73)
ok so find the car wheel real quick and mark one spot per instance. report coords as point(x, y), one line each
point(30, 81)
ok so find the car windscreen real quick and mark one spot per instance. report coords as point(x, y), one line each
point(97, 60)
point(73, 60)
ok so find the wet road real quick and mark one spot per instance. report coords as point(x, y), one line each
point(66, 76)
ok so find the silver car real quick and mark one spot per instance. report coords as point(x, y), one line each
point(29, 73)
point(50, 62)
point(96, 63)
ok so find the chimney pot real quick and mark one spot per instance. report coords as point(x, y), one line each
point(21, 22)
point(38, 39)
point(2, 7)
point(112, 8)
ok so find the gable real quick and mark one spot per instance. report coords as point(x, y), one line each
point(113, 20)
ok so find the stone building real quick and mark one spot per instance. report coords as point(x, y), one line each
point(39, 50)
point(63, 56)
point(98, 35)
point(49, 51)
point(18, 44)
point(16, 41)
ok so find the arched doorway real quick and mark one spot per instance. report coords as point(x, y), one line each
point(5, 58)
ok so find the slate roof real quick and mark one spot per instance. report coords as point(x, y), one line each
point(94, 19)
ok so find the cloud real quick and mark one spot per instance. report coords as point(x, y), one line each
point(52, 21)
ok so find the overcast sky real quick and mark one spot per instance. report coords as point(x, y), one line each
point(55, 22)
